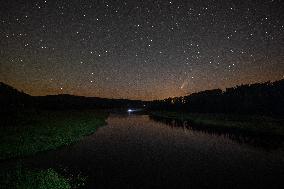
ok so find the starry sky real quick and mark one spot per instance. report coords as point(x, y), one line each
point(146, 49)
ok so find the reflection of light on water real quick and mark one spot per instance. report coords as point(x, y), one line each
point(264, 142)
point(140, 142)
point(134, 110)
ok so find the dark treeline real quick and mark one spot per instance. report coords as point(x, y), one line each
point(12, 100)
point(66, 101)
point(260, 98)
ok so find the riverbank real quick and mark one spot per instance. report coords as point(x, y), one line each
point(253, 124)
point(27, 133)
point(47, 130)
point(44, 179)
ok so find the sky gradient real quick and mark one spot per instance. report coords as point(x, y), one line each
point(139, 49)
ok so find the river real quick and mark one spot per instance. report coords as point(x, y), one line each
point(135, 151)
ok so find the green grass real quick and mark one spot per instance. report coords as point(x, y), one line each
point(20, 178)
point(34, 132)
point(253, 124)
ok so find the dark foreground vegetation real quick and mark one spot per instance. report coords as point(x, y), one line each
point(27, 133)
point(31, 132)
point(27, 179)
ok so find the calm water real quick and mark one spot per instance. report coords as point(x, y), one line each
point(134, 151)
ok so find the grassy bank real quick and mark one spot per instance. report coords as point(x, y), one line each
point(30, 133)
point(44, 179)
point(253, 124)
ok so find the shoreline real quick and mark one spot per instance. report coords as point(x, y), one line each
point(38, 132)
point(252, 124)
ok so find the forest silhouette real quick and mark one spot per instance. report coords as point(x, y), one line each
point(260, 98)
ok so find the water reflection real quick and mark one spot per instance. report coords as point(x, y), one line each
point(266, 142)
point(134, 151)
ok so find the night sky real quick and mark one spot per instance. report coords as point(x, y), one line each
point(149, 49)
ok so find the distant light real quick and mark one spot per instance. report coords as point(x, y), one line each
point(129, 110)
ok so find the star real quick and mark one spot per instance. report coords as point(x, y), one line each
point(139, 50)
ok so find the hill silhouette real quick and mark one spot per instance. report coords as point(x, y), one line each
point(13, 100)
point(259, 98)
